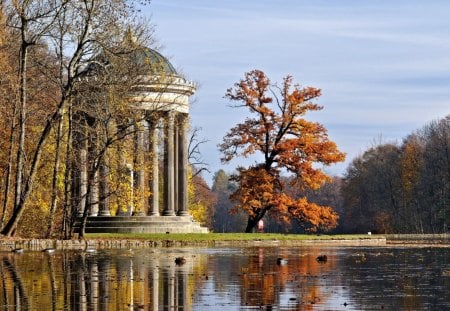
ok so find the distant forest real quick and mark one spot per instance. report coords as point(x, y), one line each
point(390, 188)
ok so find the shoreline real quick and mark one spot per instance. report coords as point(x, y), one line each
point(441, 240)
point(41, 244)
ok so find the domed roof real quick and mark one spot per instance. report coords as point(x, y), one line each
point(157, 63)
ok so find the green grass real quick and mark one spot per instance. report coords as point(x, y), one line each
point(200, 237)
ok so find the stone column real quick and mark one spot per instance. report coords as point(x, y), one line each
point(154, 182)
point(182, 166)
point(175, 162)
point(169, 185)
point(130, 174)
point(103, 171)
point(83, 178)
point(139, 167)
point(93, 196)
point(93, 193)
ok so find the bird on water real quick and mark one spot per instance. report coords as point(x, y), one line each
point(322, 258)
point(180, 261)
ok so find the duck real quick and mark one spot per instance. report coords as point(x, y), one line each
point(18, 250)
point(49, 250)
point(180, 261)
point(322, 258)
point(281, 261)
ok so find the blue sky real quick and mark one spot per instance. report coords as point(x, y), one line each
point(383, 66)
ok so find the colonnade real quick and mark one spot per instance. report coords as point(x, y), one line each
point(157, 133)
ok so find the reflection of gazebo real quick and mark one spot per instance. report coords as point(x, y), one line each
point(151, 283)
point(162, 99)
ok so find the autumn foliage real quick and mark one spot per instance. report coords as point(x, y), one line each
point(288, 143)
point(401, 187)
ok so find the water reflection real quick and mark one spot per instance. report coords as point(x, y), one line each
point(103, 281)
point(228, 279)
point(130, 281)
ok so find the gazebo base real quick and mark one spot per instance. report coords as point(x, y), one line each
point(141, 224)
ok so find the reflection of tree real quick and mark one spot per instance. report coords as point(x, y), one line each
point(65, 277)
point(53, 285)
point(264, 281)
point(20, 294)
point(259, 282)
point(5, 300)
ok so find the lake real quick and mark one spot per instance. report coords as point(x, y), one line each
point(247, 278)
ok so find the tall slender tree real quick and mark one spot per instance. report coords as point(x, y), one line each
point(8, 108)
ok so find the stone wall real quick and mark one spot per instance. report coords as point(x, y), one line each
point(42, 244)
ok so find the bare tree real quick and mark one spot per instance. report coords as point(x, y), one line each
point(196, 160)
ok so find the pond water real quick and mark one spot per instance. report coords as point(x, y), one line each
point(248, 278)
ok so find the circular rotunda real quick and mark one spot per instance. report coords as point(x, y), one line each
point(152, 159)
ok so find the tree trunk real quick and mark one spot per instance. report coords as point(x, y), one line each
point(68, 213)
point(253, 220)
point(9, 171)
point(251, 223)
point(93, 169)
point(22, 115)
point(54, 197)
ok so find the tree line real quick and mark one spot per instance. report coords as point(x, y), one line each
point(401, 188)
point(390, 188)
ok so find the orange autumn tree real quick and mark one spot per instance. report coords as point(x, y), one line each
point(288, 143)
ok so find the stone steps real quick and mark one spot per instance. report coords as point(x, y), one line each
point(141, 224)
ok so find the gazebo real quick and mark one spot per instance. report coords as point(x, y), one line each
point(156, 170)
